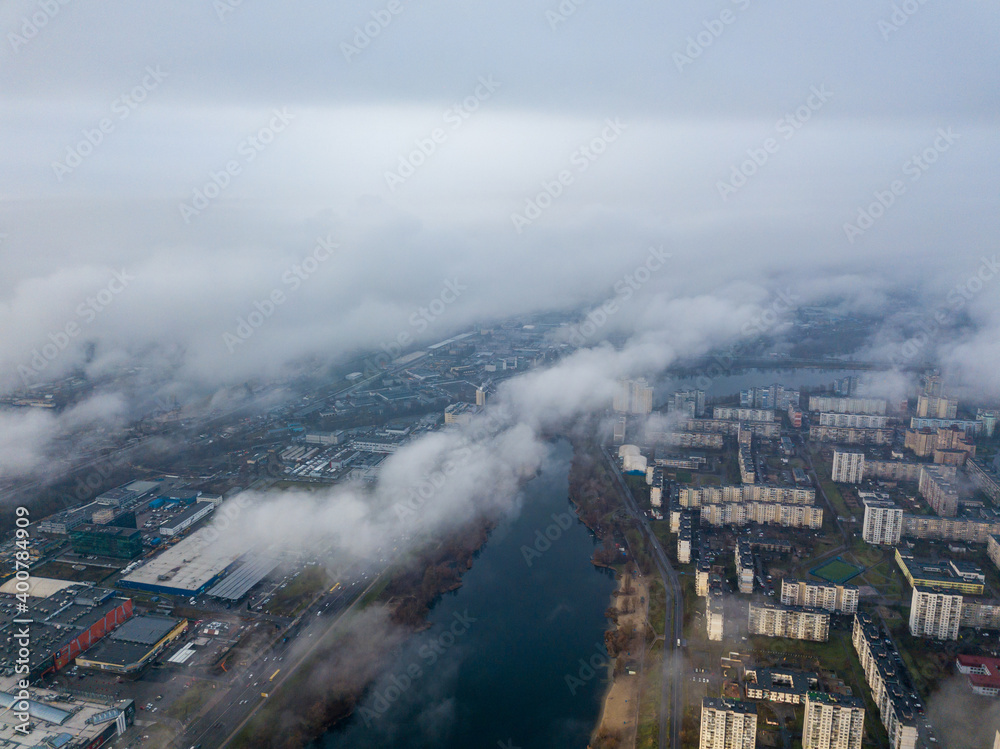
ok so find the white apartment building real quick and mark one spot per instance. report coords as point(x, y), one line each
point(863, 421)
point(848, 467)
point(883, 524)
point(935, 613)
point(728, 724)
point(828, 596)
point(833, 722)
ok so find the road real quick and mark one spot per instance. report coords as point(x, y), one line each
point(671, 707)
point(223, 720)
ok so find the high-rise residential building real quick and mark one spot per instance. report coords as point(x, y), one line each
point(883, 522)
point(715, 613)
point(988, 419)
point(936, 407)
point(985, 477)
point(620, 424)
point(840, 598)
point(684, 538)
point(795, 622)
point(848, 467)
point(728, 724)
point(634, 397)
point(772, 396)
point(937, 488)
point(833, 721)
point(935, 613)
point(701, 578)
point(690, 402)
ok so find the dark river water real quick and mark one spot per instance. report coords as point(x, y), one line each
point(492, 670)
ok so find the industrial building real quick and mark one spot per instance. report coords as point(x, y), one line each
point(185, 569)
point(842, 598)
point(133, 645)
point(55, 723)
point(833, 722)
point(727, 724)
point(186, 519)
point(64, 625)
point(106, 541)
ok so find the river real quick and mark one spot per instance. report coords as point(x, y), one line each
point(492, 669)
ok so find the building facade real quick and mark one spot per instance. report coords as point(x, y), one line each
point(842, 598)
point(794, 622)
point(728, 724)
point(935, 613)
point(833, 722)
point(883, 523)
point(848, 467)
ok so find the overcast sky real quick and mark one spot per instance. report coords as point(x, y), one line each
point(121, 120)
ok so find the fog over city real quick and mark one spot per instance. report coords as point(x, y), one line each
point(219, 212)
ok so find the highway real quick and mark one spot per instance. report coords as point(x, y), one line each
point(671, 706)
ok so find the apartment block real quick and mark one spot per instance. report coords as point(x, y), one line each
point(888, 681)
point(684, 538)
point(715, 613)
point(939, 491)
point(984, 477)
point(726, 413)
point(634, 397)
point(730, 428)
point(894, 470)
point(833, 721)
point(698, 496)
point(728, 724)
point(748, 472)
point(936, 407)
point(862, 421)
point(841, 599)
point(701, 575)
point(744, 566)
point(883, 523)
point(848, 467)
point(779, 684)
point(707, 440)
point(795, 622)
point(850, 435)
point(847, 405)
point(935, 613)
point(742, 513)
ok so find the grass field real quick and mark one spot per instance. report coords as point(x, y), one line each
point(836, 571)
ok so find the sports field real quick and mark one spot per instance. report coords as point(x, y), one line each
point(836, 571)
